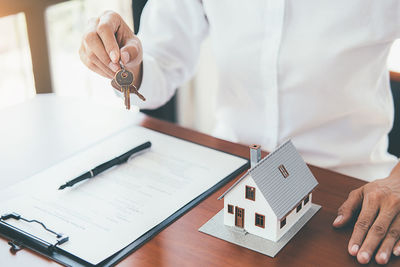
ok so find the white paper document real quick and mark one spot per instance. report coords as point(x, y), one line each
point(104, 214)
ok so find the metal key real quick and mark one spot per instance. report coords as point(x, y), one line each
point(124, 79)
point(134, 90)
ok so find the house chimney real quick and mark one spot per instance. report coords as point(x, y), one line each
point(255, 155)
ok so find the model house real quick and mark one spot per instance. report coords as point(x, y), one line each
point(272, 196)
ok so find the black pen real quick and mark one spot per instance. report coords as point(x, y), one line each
point(99, 169)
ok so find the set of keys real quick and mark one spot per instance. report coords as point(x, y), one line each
point(123, 81)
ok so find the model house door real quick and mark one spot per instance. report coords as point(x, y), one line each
point(239, 217)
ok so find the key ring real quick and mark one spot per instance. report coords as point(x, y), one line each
point(122, 66)
point(124, 72)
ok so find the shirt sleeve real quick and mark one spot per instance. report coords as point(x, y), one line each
point(171, 32)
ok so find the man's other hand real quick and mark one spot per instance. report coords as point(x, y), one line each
point(377, 229)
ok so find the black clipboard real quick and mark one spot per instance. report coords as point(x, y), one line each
point(20, 239)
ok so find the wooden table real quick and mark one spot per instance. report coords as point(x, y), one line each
point(181, 244)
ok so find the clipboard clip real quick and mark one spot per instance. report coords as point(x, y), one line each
point(20, 238)
point(15, 247)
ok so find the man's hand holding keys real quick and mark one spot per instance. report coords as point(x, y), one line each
point(109, 41)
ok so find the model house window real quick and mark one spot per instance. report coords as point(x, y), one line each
point(299, 207)
point(306, 199)
point(283, 223)
point(283, 171)
point(230, 208)
point(260, 220)
point(250, 192)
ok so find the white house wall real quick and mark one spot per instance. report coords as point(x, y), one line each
point(292, 218)
point(236, 197)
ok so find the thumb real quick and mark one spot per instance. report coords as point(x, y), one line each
point(131, 53)
point(349, 207)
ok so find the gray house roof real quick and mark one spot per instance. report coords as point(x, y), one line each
point(282, 194)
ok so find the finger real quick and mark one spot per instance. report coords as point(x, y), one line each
point(365, 219)
point(110, 69)
point(388, 244)
point(90, 59)
point(131, 53)
point(96, 69)
point(92, 66)
point(349, 207)
point(375, 235)
point(94, 44)
point(106, 29)
point(396, 250)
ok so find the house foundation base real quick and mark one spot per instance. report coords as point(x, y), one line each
point(216, 227)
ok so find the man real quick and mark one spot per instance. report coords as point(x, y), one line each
point(312, 71)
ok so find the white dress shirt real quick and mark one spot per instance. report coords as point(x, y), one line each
point(313, 71)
